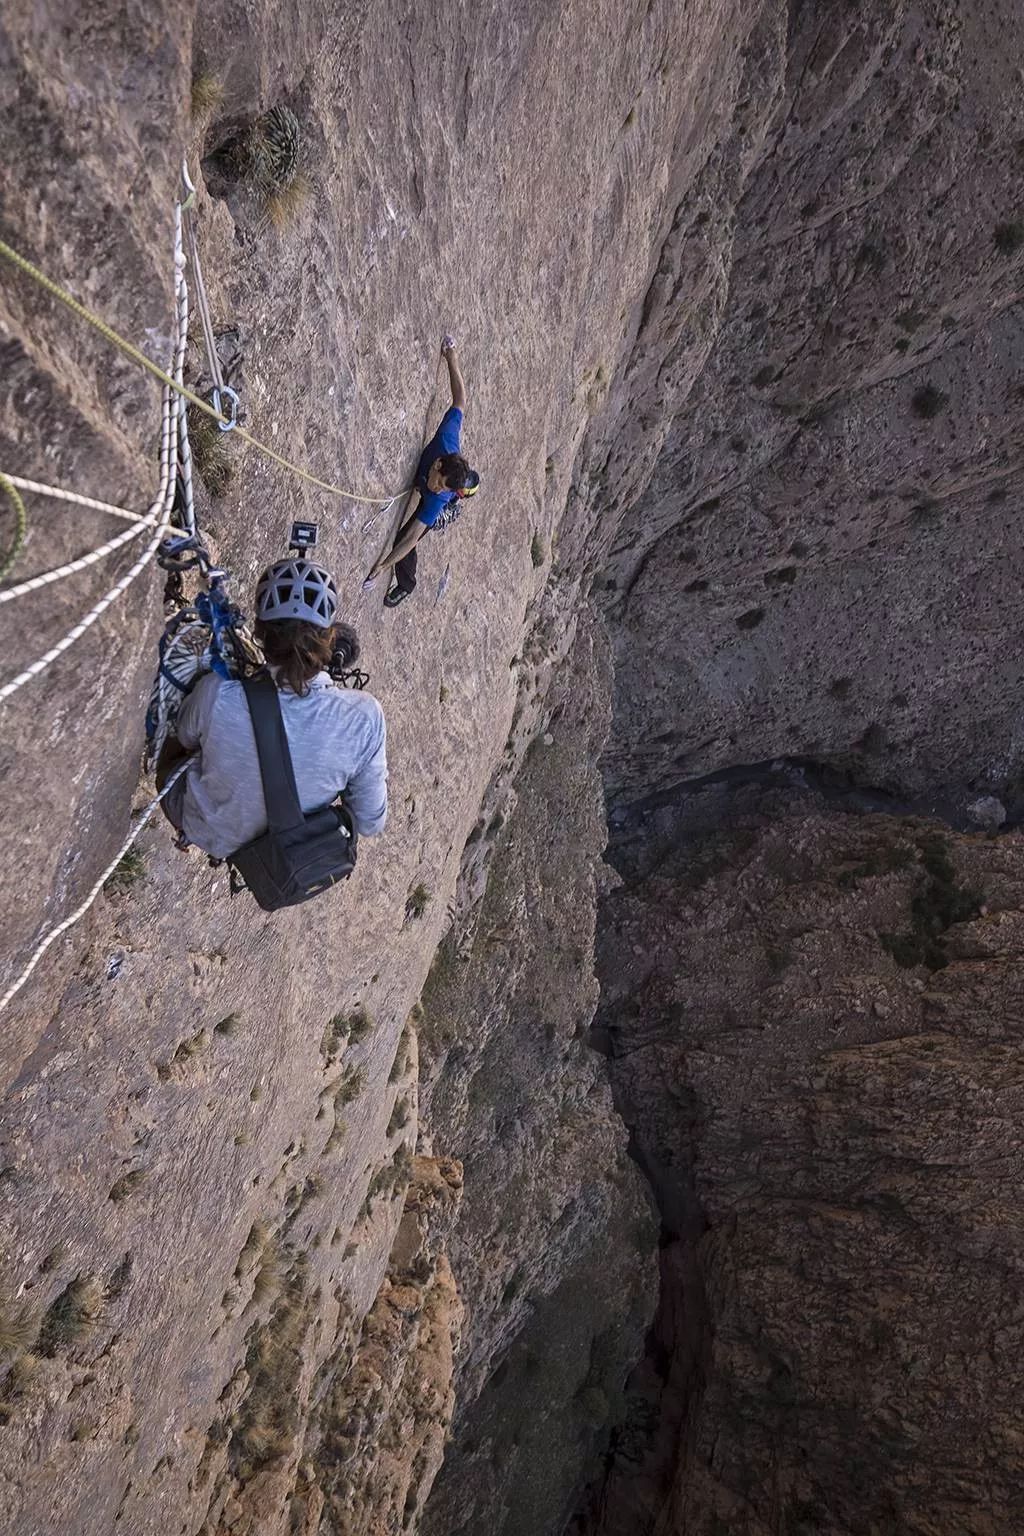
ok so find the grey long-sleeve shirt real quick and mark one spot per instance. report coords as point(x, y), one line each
point(336, 738)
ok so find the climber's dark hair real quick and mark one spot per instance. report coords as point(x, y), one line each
point(297, 650)
point(454, 470)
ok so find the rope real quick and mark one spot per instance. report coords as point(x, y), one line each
point(159, 512)
point(33, 583)
point(73, 496)
point(80, 911)
point(130, 350)
point(20, 526)
point(188, 511)
point(209, 340)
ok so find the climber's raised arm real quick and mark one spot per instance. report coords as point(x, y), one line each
point(456, 380)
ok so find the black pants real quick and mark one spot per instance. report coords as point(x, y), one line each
point(405, 570)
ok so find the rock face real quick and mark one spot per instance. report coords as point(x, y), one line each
point(554, 1249)
point(737, 289)
point(198, 1096)
point(833, 1134)
point(826, 559)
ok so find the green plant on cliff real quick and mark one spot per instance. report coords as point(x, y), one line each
point(1009, 237)
point(128, 871)
point(941, 903)
point(927, 402)
point(267, 1419)
point(417, 900)
point(881, 861)
point(537, 550)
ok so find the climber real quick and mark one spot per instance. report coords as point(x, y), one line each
point(336, 737)
point(443, 480)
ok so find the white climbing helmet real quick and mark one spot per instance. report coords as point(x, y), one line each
point(297, 589)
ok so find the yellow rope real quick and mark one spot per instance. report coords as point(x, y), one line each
point(8, 558)
point(137, 356)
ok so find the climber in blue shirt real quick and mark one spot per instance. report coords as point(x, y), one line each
point(443, 480)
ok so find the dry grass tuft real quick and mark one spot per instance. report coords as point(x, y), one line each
point(207, 93)
point(284, 206)
point(269, 1281)
point(21, 1375)
point(350, 1087)
point(19, 1325)
point(359, 1025)
point(126, 1185)
point(211, 452)
point(268, 1417)
point(73, 1316)
point(193, 1047)
point(417, 901)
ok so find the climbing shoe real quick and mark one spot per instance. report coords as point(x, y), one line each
point(395, 596)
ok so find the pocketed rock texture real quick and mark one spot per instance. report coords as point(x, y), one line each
point(834, 1139)
point(828, 557)
point(381, 1428)
point(554, 1248)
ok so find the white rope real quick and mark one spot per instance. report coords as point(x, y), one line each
point(80, 911)
point(73, 496)
point(368, 525)
point(33, 583)
point(202, 303)
point(161, 508)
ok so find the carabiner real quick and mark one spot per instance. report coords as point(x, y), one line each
point(221, 393)
point(189, 187)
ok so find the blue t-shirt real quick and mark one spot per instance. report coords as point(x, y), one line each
point(445, 440)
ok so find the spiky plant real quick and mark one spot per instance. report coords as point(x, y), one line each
point(272, 157)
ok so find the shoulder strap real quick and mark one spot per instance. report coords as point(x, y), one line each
point(284, 810)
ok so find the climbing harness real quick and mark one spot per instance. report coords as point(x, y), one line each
point(207, 635)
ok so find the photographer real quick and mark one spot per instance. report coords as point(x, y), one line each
point(336, 736)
